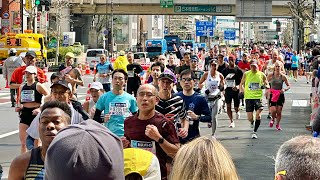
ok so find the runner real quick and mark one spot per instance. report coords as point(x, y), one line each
point(197, 106)
point(104, 70)
point(233, 76)
point(295, 65)
point(68, 61)
point(9, 65)
point(30, 96)
point(251, 85)
point(186, 58)
point(135, 71)
point(288, 62)
point(171, 64)
point(214, 82)
point(197, 73)
point(116, 104)
point(277, 99)
point(208, 59)
point(150, 130)
point(156, 69)
point(172, 106)
point(96, 90)
point(30, 165)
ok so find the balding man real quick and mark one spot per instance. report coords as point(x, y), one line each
point(298, 159)
point(151, 130)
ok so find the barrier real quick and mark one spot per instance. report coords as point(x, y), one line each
point(87, 72)
point(88, 96)
point(95, 68)
point(45, 70)
point(7, 85)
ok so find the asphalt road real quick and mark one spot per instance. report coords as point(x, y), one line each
point(254, 158)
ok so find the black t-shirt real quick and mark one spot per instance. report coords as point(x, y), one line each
point(178, 71)
point(172, 67)
point(133, 70)
point(232, 76)
point(222, 67)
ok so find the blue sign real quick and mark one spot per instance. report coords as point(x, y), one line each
point(214, 21)
point(204, 28)
point(65, 40)
point(229, 35)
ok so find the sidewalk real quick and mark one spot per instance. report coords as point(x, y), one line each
point(254, 158)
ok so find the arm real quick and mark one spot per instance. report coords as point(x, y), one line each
point(19, 166)
point(285, 79)
point(243, 81)
point(221, 80)
point(97, 116)
point(86, 106)
point(265, 81)
point(5, 73)
point(42, 89)
point(203, 78)
point(205, 111)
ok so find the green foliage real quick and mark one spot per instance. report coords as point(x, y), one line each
point(51, 53)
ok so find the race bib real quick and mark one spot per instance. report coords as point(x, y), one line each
point(119, 109)
point(231, 83)
point(130, 73)
point(197, 74)
point(27, 96)
point(149, 146)
point(254, 86)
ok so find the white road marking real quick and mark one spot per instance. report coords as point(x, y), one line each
point(9, 134)
point(299, 103)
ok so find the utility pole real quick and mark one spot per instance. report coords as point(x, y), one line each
point(295, 43)
point(112, 37)
point(58, 35)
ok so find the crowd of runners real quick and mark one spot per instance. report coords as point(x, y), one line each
point(153, 114)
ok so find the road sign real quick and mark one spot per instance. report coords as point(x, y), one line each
point(229, 35)
point(17, 20)
point(106, 32)
point(5, 30)
point(203, 9)
point(28, 5)
point(65, 40)
point(5, 15)
point(166, 3)
point(204, 28)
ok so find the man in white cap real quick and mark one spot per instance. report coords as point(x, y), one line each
point(96, 90)
point(10, 64)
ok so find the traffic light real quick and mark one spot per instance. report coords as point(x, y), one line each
point(276, 37)
point(37, 2)
point(47, 4)
point(278, 26)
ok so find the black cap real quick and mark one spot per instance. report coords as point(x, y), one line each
point(195, 58)
point(31, 53)
point(63, 83)
point(167, 76)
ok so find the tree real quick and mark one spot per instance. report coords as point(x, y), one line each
point(287, 34)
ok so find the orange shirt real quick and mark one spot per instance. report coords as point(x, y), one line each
point(17, 75)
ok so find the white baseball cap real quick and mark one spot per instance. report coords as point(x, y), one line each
point(96, 85)
point(13, 50)
point(31, 69)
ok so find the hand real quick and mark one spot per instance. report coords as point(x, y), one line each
point(107, 117)
point(68, 78)
point(282, 91)
point(152, 132)
point(18, 109)
point(235, 88)
point(192, 115)
point(36, 111)
point(183, 132)
point(125, 142)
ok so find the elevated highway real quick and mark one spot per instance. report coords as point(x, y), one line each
point(181, 7)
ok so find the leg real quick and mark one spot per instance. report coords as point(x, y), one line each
point(215, 108)
point(229, 112)
point(249, 110)
point(13, 97)
point(258, 108)
point(23, 137)
point(279, 114)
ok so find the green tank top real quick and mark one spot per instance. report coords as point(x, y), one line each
point(253, 83)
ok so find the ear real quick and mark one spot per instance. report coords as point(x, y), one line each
point(157, 100)
point(279, 177)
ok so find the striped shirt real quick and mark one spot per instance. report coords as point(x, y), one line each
point(172, 108)
point(35, 170)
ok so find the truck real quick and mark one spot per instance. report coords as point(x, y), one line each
point(171, 40)
point(201, 46)
point(23, 42)
point(156, 47)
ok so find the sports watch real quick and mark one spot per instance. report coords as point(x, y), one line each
point(161, 140)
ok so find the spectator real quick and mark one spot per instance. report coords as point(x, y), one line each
point(298, 159)
point(96, 154)
point(204, 159)
point(96, 90)
point(55, 116)
point(140, 164)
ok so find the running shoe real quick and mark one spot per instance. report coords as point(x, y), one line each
point(278, 127)
point(271, 123)
point(238, 115)
point(254, 135)
point(209, 125)
point(232, 125)
point(269, 116)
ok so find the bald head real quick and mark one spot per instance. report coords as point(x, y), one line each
point(148, 87)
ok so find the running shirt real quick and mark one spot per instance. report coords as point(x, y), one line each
point(295, 61)
point(30, 94)
point(270, 67)
point(172, 108)
point(104, 69)
point(35, 170)
point(212, 83)
point(133, 70)
point(244, 66)
point(276, 83)
point(288, 57)
point(119, 107)
point(222, 67)
point(253, 84)
point(232, 78)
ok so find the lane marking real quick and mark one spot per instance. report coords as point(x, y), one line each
point(299, 103)
point(9, 134)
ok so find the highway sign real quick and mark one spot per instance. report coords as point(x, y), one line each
point(203, 8)
point(28, 5)
point(166, 3)
point(204, 28)
point(5, 15)
point(229, 35)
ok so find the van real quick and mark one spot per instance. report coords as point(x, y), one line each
point(93, 56)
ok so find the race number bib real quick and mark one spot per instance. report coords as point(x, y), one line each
point(130, 73)
point(27, 96)
point(119, 109)
point(231, 83)
point(149, 146)
point(254, 86)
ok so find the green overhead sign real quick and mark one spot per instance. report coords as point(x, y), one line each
point(202, 9)
point(166, 3)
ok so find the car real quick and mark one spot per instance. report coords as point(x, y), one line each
point(93, 56)
point(143, 59)
point(76, 44)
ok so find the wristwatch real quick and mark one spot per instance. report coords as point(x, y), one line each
point(161, 140)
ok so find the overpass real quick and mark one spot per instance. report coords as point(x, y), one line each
point(280, 8)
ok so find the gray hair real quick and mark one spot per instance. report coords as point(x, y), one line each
point(300, 158)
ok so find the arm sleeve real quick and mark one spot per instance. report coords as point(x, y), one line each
point(41, 76)
point(14, 76)
point(97, 116)
point(5, 70)
point(183, 112)
point(205, 111)
point(78, 107)
point(111, 67)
